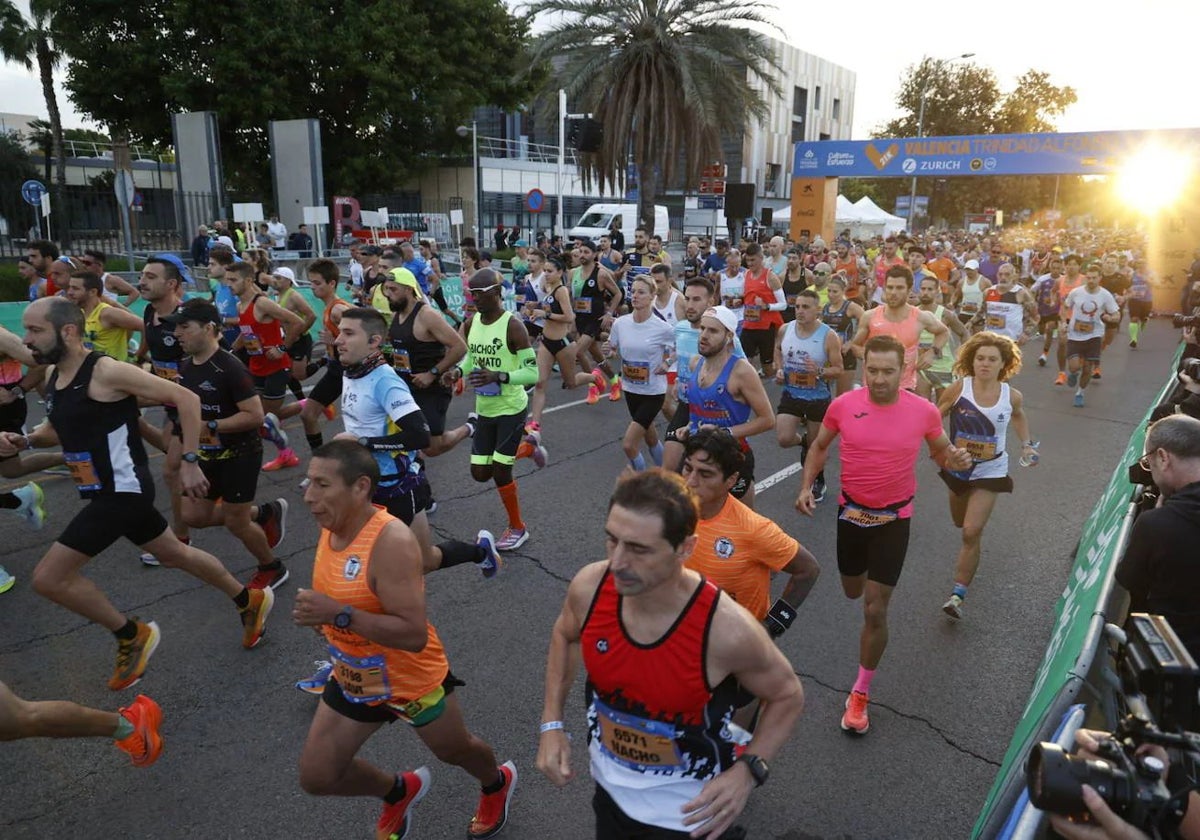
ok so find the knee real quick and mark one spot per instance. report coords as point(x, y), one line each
point(972, 534)
point(875, 612)
point(785, 439)
point(317, 778)
point(481, 472)
point(196, 518)
point(45, 582)
point(456, 754)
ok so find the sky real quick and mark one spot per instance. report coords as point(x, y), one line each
point(1130, 69)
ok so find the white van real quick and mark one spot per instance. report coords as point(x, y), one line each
point(598, 219)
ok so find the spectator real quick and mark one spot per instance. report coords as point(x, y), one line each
point(200, 247)
point(500, 238)
point(278, 232)
point(1159, 568)
point(615, 236)
point(264, 240)
point(301, 241)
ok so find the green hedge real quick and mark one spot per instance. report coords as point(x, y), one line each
point(12, 287)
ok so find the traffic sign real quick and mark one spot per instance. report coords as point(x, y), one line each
point(32, 192)
point(535, 200)
point(711, 202)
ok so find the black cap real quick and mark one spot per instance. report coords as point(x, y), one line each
point(194, 309)
point(373, 251)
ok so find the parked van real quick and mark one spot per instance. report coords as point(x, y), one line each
point(598, 219)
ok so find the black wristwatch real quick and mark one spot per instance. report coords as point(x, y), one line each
point(434, 372)
point(191, 457)
point(503, 377)
point(212, 425)
point(342, 620)
point(365, 443)
point(758, 768)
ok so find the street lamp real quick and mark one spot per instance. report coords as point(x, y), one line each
point(461, 131)
point(938, 63)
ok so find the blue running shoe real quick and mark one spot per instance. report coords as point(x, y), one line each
point(317, 682)
point(1073, 379)
point(7, 580)
point(491, 564)
point(273, 431)
point(1079, 400)
point(32, 508)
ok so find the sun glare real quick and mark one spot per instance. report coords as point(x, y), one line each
point(1153, 178)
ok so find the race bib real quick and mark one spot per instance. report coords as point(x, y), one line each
point(210, 441)
point(637, 743)
point(791, 300)
point(491, 389)
point(83, 470)
point(400, 360)
point(1084, 326)
point(969, 308)
point(732, 301)
point(251, 343)
point(165, 370)
point(583, 305)
point(995, 322)
point(753, 312)
point(981, 447)
point(867, 517)
point(362, 680)
point(637, 373)
point(799, 378)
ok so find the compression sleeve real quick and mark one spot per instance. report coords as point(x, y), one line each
point(780, 303)
point(411, 435)
point(527, 370)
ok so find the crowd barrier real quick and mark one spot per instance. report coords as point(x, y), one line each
point(1070, 665)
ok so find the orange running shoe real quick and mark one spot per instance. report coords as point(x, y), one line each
point(492, 813)
point(395, 822)
point(1096, 372)
point(145, 743)
point(254, 617)
point(855, 719)
point(614, 393)
point(1061, 379)
point(134, 655)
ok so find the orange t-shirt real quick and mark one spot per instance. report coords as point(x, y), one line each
point(737, 550)
point(366, 671)
point(941, 268)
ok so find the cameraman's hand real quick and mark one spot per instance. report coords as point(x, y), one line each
point(1108, 826)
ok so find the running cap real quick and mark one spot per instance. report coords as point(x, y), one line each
point(405, 278)
point(197, 310)
point(285, 272)
point(723, 314)
point(973, 265)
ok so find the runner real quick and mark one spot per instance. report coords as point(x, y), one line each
point(1072, 279)
point(114, 286)
point(596, 304)
point(808, 354)
point(851, 266)
point(843, 317)
point(940, 373)
point(732, 289)
point(981, 405)
point(659, 644)
point(501, 363)
point(1140, 301)
point(283, 283)
point(904, 322)
point(645, 344)
point(668, 302)
point(795, 279)
point(1049, 304)
point(1118, 283)
point(368, 599)
point(882, 428)
point(134, 729)
point(106, 326)
point(423, 347)
point(16, 383)
point(323, 279)
point(887, 260)
point(1090, 306)
point(94, 417)
point(230, 446)
point(723, 390)
point(1007, 305)
point(764, 301)
point(968, 296)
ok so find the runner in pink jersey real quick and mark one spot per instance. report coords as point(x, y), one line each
point(882, 428)
point(900, 320)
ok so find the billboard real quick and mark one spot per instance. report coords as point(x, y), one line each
point(1080, 153)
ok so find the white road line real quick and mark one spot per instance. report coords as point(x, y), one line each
point(564, 405)
point(775, 478)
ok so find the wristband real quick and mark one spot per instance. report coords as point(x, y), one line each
point(779, 618)
point(434, 372)
point(551, 726)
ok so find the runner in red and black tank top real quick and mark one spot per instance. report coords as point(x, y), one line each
point(258, 337)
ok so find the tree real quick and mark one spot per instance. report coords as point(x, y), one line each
point(388, 82)
point(666, 78)
point(16, 167)
point(30, 42)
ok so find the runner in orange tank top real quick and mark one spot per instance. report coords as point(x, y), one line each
point(368, 599)
point(903, 322)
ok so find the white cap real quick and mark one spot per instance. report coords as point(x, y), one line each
point(225, 240)
point(284, 271)
point(972, 264)
point(723, 314)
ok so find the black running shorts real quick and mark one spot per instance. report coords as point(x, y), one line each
point(105, 519)
point(233, 480)
point(329, 386)
point(877, 552)
point(434, 403)
point(643, 408)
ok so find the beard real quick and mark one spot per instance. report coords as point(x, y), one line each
point(52, 356)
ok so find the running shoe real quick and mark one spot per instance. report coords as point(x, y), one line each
point(32, 509)
point(1133, 343)
point(395, 822)
point(286, 458)
point(533, 433)
point(273, 431)
point(818, 490)
point(7, 581)
point(272, 578)
point(593, 395)
point(61, 469)
point(512, 538)
point(432, 508)
point(953, 607)
point(1061, 379)
point(145, 743)
point(133, 656)
point(1078, 401)
point(1073, 379)
point(328, 410)
point(492, 813)
point(532, 445)
point(275, 523)
point(855, 719)
point(254, 617)
point(491, 564)
point(317, 682)
point(614, 392)
point(1042, 360)
point(1096, 372)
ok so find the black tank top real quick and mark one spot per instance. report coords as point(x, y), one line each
point(165, 351)
point(591, 293)
point(839, 321)
point(100, 440)
point(791, 288)
point(410, 355)
point(550, 302)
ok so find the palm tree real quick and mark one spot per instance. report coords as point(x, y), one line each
point(27, 42)
point(665, 78)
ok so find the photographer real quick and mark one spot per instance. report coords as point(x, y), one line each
point(1160, 568)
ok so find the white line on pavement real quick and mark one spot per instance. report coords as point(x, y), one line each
point(564, 405)
point(775, 478)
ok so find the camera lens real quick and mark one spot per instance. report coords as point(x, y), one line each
point(1055, 779)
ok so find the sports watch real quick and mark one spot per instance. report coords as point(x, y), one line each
point(342, 620)
point(191, 457)
point(758, 768)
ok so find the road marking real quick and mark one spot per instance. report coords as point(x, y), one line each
point(564, 405)
point(775, 478)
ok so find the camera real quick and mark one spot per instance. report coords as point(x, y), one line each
point(1183, 322)
point(1159, 681)
point(1191, 367)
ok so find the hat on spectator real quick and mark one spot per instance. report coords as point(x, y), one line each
point(972, 265)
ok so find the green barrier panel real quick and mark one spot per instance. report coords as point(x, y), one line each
point(1094, 563)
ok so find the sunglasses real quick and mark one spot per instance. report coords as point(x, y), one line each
point(1144, 461)
point(821, 273)
point(485, 289)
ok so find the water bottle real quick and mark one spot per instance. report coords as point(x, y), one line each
point(1028, 460)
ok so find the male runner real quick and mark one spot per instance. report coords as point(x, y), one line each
point(1092, 307)
point(368, 599)
point(92, 412)
point(882, 428)
point(19, 375)
point(323, 279)
point(764, 301)
point(114, 286)
point(283, 283)
point(940, 372)
point(903, 322)
point(230, 445)
point(1117, 281)
point(106, 326)
point(500, 363)
point(658, 643)
point(1072, 279)
point(1007, 305)
point(1049, 304)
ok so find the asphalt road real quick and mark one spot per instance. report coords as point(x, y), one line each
point(944, 702)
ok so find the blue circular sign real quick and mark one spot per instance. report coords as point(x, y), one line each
point(535, 200)
point(32, 192)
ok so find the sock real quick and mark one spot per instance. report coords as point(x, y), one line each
point(496, 786)
point(614, 379)
point(296, 389)
point(638, 463)
point(1079, 391)
point(1134, 329)
point(508, 495)
point(9, 501)
point(457, 552)
point(656, 454)
point(242, 599)
point(124, 728)
point(314, 440)
point(273, 566)
point(397, 793)
point(127, 633)
point(863, 683)
point(960, 589)
point(262, 514)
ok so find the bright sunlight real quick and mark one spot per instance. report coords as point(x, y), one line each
point(1153, 178)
